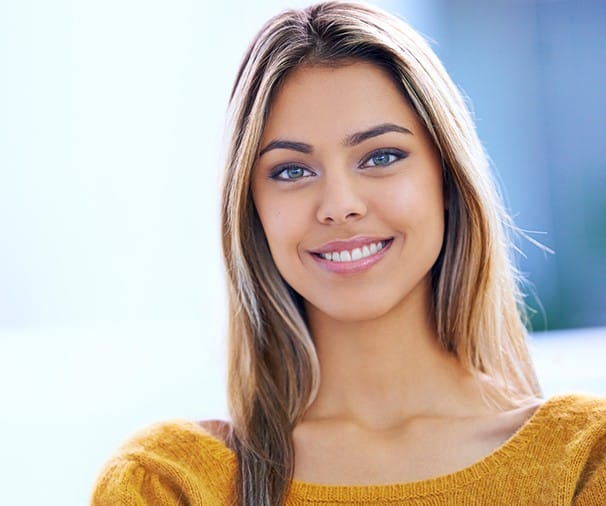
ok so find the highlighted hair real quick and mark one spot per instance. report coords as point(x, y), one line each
point(273, 367)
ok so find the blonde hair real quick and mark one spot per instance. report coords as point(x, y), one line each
point(273, 367)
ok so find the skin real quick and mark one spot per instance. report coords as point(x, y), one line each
point(392, 405)
point(343, 194)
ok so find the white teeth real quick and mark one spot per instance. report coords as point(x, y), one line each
point(355, 254)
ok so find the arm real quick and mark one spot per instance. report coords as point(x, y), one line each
point(592, 487)
point(173, 463)
point(126, 482)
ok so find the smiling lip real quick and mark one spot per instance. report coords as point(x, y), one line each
point(351, 256)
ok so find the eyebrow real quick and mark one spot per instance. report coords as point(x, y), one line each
point(350, 140)
point(375, 131)
point(283, 144)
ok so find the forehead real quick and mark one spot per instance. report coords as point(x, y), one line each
point(324, 102)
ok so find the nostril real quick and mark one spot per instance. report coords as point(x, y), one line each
point(340, 204)
point(341, 217)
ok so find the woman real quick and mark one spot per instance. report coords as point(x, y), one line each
point(377, 350)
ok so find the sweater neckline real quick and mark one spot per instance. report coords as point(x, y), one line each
point(396, 491)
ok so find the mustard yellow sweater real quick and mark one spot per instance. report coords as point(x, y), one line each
point(557, 458)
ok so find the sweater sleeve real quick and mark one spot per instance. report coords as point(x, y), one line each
point(126, 482)
point(592, 487)
point(168, 464)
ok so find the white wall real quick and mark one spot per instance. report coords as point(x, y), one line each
point(111, 293)
point(111, 289)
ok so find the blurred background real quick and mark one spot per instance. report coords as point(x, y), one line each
point(112, 305)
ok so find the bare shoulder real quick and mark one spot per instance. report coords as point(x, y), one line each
point(219, 429)
point(505, 424)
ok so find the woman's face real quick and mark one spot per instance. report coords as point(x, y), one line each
point(348, 188)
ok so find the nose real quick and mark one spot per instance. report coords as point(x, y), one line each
point(341, 200)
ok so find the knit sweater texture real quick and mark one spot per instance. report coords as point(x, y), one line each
point(558, 457)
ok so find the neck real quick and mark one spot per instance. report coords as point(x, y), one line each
point(378, 372)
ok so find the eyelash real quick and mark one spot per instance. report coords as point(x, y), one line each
point(398, 154)
point(282, 170)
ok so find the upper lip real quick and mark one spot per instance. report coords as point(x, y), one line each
point(348, 244)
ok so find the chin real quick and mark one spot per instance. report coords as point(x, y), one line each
point(358, 312)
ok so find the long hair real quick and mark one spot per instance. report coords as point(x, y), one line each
point(273, 370)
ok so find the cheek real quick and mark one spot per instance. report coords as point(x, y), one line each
point(412, 203)
point(282, 221)
point(269, 214)
point(418, 208)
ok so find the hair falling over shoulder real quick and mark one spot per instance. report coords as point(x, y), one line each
point(273, 370)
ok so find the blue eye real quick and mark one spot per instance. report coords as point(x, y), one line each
point(291, 173)
point(383, 158)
